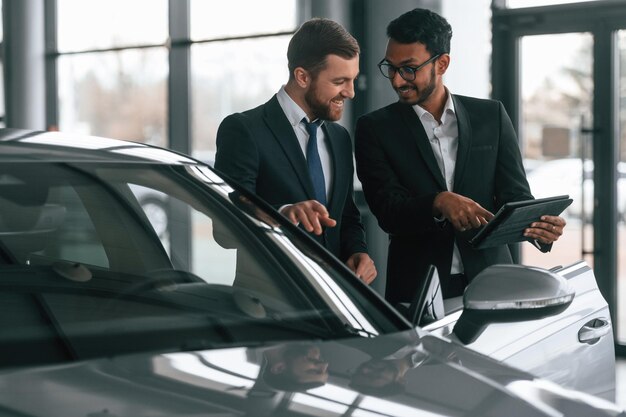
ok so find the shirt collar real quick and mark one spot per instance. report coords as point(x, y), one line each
point(294, 113)
point(448, 109)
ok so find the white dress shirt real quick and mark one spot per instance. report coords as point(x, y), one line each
point(444, 140)
point(295, 115)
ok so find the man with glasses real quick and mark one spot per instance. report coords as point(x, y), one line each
point(435, 165)
point(290, 152)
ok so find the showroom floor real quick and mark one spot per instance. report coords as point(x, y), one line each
point(620, 376)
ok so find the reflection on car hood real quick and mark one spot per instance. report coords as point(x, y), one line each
point(395, 375)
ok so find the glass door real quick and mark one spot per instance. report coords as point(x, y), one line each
point(560, 71)
point(556, 107)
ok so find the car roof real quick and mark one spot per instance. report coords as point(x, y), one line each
point(20, 145)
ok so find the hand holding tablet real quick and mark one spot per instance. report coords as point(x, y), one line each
point(513, 219)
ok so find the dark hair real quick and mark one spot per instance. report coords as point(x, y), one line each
point(423, 26)
point(316, 39)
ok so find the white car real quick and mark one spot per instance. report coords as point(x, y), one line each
point(557, 345)
point(237, 312)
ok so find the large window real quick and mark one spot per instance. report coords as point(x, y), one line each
point(120, 94)
point(241, 18)
point(112, 68)
point(101, 24)
point(229, 77)
point(236, 63)
point(112, 62)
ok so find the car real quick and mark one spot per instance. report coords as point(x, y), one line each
point(237, 312)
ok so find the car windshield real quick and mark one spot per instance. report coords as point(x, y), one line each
point(99, 259)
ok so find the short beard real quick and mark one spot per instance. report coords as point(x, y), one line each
point(426, 92)
point(320, 110)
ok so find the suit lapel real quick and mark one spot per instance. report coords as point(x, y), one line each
point(465, 142)
point(421, 139)
point(286, 138)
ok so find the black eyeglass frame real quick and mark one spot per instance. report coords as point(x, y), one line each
point(404, 70)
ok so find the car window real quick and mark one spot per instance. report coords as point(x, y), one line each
point(99, 259)
point(214, 249)
point(220, 251)
point(52, 226)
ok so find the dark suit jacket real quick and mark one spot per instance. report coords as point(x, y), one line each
point(260, 150)
point(401, 178)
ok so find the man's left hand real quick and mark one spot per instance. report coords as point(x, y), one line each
point(362, 266)
point(547, 230)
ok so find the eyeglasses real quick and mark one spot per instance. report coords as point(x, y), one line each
point(406, 72)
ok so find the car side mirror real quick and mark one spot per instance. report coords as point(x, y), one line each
point(508, 293)
point(427, 305)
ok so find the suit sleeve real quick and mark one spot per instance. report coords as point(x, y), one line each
point(237, 154)
point(398, 210)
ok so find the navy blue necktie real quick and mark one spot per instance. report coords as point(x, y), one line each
point(314, 162)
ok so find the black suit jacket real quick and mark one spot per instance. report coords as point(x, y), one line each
point(401, 178)
point(260, 150)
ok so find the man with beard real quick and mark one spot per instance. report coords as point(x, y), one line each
point(294, 367)
point(435, 166)
point(290, 152)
